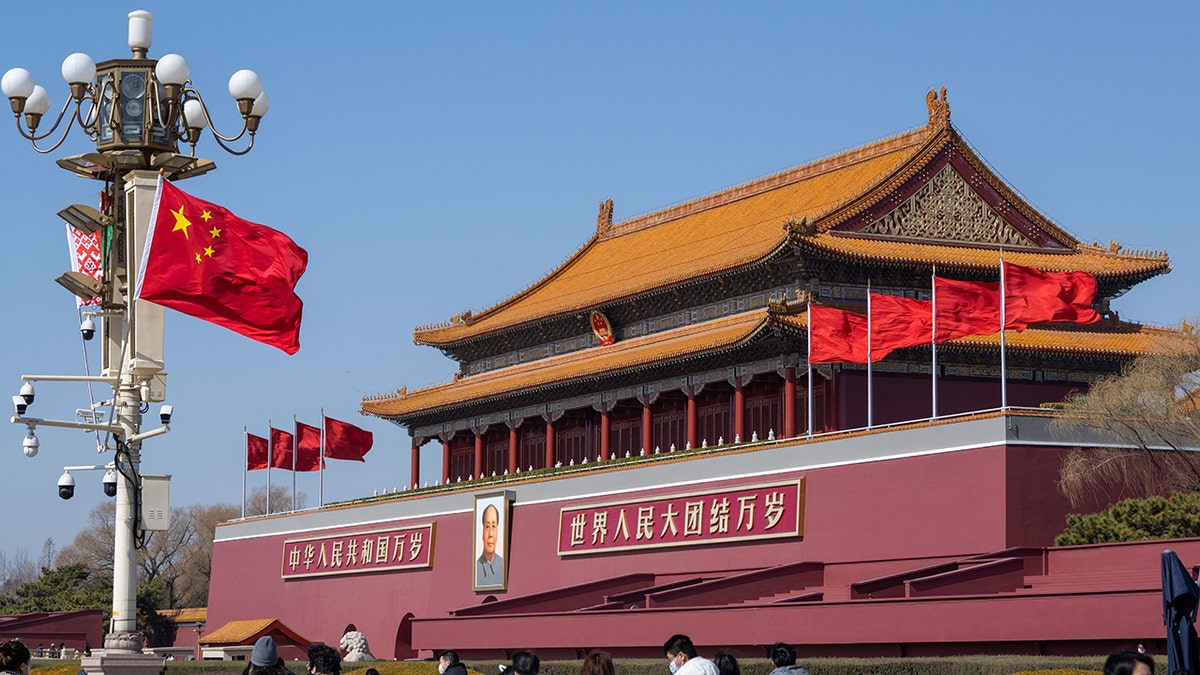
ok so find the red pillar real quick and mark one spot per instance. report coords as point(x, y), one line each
point(692, 422)
point(739, 410)
point(513, 445)
point(789, 402)
point(416, 462)
point(478, 454)
point(549, 444)
point(647, 427)
point(445, 461)
point(605, 433)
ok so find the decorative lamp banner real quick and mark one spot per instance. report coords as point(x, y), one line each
point(398, 548)
point(714, 517)
point(86, 258)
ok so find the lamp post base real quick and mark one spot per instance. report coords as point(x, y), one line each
point(123, 656)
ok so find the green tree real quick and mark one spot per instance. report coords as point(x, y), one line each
point(1136, 520)
point(60, 589)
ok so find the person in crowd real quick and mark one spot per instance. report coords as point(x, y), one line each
point(14, 658)
point(448, 664)
point(726, 663)
point(525, 663)
point(371, 671)
point(324, 660)
point(783, 656)
point(264, 659)
point(1129, 663)
point(598, 663)
point(683, 660)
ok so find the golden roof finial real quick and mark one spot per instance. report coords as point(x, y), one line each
point(939, 108)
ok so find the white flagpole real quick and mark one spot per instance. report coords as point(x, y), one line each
point(933, 338)
point(808, 358)
point(1003, 323)
point(870, 391)
point(295, 452)
point(245, 468)
point(321, 477)
point(270, 461)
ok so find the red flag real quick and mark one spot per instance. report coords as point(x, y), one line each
point(1033, 296)
point(966, 308)
point(202, 260)
point(899, 322)
point(308, 448)
point(346, 441)
point(256, 452)
point(836, 335)
point(281, 449)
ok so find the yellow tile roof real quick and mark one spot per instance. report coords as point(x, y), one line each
point(1110, 339)
point(186, 615)
point(236, 632)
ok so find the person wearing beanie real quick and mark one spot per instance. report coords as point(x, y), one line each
point(264, 659)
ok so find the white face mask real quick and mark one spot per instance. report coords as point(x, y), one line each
point(441, 668)
point(671, 664)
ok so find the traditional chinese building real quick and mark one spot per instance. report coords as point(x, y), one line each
point(635, 434)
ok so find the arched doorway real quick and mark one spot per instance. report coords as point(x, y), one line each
point(404, 648)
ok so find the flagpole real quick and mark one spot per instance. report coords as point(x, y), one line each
point(870, 391)
point(245, 470)
point(321, 464)
point(295, 452)
point(1003, 342)
point(933, 338)
point(808, 359)
point(270, 461)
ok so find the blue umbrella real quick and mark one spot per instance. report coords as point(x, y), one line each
point(1180, 599)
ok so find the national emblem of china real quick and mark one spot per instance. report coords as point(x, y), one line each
point(603, 329)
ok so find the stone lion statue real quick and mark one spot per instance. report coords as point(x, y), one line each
point(354, 644)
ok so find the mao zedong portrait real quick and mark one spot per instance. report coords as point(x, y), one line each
point(489, 567)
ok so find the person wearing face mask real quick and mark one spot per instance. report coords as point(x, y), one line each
point(683, 660)
point(448, 664)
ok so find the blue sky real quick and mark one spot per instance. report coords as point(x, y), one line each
point(435, 157)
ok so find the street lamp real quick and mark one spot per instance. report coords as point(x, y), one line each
point(137, 111)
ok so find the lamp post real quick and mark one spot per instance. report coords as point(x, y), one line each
point(137, 111)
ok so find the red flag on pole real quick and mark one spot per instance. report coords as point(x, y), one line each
point(256, 452)
point(899, 322)
point(346, 441)
point(836, 335)
point(282, 446)
point(202, 260)
point(966, 308)
point(308, 447)
point(1033, 296)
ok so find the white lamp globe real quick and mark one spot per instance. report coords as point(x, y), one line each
point(17, 83)
point(261, 105)
point(38, 102)
point(172, 69)
point(193, 112)
point(78, 68)
point(244, 84)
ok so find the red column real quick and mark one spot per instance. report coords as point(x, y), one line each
point(692, 423)
point(479, 454)
point(445, 461)
point(647, 427)
point(549, 444)
point(513, 445)
point(739, 410)
point(416, 462)
point(789, 402)
point(605, 433)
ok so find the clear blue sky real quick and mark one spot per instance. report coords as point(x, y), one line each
point(436, 157)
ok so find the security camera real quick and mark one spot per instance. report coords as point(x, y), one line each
point(19, 405)
point(66, 485)
point(88, 328)
point(164, 414)
point(27, 393)
point(30, 445)
point(109, 483)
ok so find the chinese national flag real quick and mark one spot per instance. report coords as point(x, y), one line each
point(899, 322)
point(346, 441)
point(256, 452)
point(308, 448)
point(966, 308)
point(835, 335)
point(1033, 296)
point(202, 260)
point(282, 445)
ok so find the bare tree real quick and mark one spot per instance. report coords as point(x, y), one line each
point(1148, 417)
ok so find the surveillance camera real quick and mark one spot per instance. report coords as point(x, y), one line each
point(66, 485)
point(88, 328)
point(30, 445)
point(110, 483)
point(164, 414)
point(27, 393)
point(19, 405)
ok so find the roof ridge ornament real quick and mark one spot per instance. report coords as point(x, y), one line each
point(939, 109)
point(604, 220)
point(802, 226)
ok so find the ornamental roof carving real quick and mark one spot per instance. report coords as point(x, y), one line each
point(920, 198)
